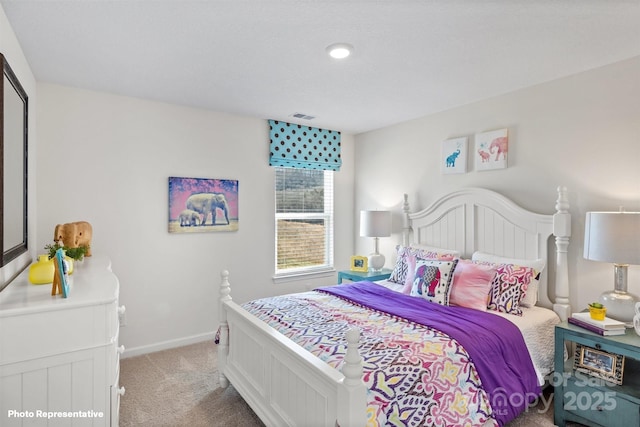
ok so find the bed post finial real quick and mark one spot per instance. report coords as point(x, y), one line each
point(352, 393)
point(406, 222)
point(562, 233)
point(562, 203)
point(223, 331)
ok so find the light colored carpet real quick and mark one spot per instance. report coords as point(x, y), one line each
point(180, 387)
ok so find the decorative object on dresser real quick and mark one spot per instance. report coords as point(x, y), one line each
point(41, 271)
point(602, 327)
point(375, 224)
point(62, 355)
point(590, 387)
point(76, 254)
point(60, 275)
point(74, 235)
point(615, 237)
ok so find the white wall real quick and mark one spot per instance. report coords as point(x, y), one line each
point(12, 52)
point(106, 159)
point(582, 132)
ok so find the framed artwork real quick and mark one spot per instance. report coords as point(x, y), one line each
point(491, 150)
point(60, 284)
point(202, 205)
point(599, 364)
point(359, 263)
point(454, 155)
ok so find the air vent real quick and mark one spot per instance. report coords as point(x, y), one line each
point(302, 116)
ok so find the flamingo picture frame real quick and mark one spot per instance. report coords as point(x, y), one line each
point(491, 150)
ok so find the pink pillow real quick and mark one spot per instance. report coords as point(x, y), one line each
point(471, 284)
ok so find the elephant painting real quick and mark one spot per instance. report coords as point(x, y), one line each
point(499, 146)
point(203, 203)
point(189, 218)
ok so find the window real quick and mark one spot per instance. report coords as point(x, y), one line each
point(304, 220)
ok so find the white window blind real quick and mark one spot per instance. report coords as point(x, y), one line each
point(304, 220)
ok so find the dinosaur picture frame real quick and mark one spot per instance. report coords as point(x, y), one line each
point(454, 155)
point(491, 150)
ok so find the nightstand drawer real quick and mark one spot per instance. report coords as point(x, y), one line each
point(600, 405)
point(356, 276)
point(597, 344)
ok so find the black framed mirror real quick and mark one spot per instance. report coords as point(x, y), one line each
point(13, 159)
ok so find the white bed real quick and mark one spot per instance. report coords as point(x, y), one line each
point(286, 385)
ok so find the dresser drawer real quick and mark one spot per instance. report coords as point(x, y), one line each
point(601, 405)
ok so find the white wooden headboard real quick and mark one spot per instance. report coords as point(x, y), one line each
point(476, 219)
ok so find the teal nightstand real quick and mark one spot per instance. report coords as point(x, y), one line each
point(591, 401)
point(356, 276)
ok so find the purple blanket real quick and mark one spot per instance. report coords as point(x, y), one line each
point(494, 344)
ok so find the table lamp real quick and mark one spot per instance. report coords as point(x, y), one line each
point(375, 224)
point(615, 237)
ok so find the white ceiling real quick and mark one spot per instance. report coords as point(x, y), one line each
point(266, 58)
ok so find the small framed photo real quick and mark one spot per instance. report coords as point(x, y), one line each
point(359, 263)
point(62, 279)
point(599, 364)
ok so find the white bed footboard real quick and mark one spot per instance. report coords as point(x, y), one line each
point(283, 383)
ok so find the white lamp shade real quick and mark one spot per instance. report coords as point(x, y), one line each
point(375, 223)
point(612, 237)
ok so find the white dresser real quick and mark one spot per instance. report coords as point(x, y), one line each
point(59, 357)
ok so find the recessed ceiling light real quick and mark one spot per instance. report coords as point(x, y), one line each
point(339, 50)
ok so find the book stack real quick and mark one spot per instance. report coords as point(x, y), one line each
point(607, 326)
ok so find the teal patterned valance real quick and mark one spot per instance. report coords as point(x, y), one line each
point(303, 147)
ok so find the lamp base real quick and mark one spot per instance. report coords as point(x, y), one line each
point(376, 262)
point(620, 305)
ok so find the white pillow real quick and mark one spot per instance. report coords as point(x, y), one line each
point(531, 297)
point(452, 252)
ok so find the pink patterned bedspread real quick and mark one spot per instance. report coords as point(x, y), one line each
point(416, 376)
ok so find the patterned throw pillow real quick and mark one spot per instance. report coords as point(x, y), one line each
point(531, 296)
point(433, 280)
point(509, 287)
point(401, 269)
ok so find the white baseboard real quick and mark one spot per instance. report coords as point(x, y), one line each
point(165, 345)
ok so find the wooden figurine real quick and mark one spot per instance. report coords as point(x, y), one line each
point(74, 234)
point(60, 284)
